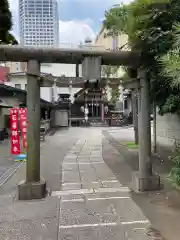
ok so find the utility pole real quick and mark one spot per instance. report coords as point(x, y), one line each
point(33, 187)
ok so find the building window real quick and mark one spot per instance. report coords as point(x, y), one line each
point(18, 86)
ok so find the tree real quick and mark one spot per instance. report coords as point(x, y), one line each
point(109, 71)
point(148, 24)
point(171, 61)
point(6, 24)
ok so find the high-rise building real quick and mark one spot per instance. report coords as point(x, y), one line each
point(39, 22)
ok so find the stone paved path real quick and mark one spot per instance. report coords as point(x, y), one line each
point(93, 204)
point(86, 200)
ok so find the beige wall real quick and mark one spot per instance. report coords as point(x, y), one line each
point(107, 42)
point(16, 66)
point(112, 43)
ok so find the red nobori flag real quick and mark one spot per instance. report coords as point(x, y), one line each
point(15, 139)
point(23, 125)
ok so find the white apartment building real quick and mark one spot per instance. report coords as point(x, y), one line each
point(39, 22)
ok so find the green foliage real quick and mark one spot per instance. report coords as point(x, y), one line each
point(175, 171)
point(114, 95)
point(149, 26)
point(112, 20)
point(110, 71)
point(171, 61)
point(6, 24)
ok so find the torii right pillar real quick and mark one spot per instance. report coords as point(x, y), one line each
point(145, 180)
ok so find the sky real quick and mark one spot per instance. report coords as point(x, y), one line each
point(78, 19)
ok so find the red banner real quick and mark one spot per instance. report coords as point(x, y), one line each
point(15, 139)
point(23, 125)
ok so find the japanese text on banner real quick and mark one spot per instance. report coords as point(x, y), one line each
point(15, 139)
point(23, 125)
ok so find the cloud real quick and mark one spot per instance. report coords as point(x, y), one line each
point(75, 31)
point(71, 30)
point(15, 16)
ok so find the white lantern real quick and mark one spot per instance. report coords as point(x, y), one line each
point(82, 108)
point(106, 109)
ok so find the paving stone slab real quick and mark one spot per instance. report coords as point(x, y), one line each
point(91, 185)
point(129, 211)
point(20, 210)
point(83, 213)
point(100, 233)
point(106, 195)
point(86, 168)
point(101, 190)
point(96, 159)
point(91, 233)
point(68, 176)
point(70, 167)
point(70, 186)
point(88, 177)
point(138, 231)
point(83, 159)
point(72, 192)
point(72, 197)
point(45, 229)
point(111, 184)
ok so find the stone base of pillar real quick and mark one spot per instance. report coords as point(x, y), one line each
point(30, 191)
point(143, 184)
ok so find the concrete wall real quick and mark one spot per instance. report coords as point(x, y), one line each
point(168, 129)
point(60, 118)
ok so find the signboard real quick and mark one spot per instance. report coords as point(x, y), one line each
point(15, 139)
point(23, 125)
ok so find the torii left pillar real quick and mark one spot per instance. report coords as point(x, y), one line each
point(33, 187)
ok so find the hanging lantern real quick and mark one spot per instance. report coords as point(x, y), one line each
point(106, 109)
point(82, 108)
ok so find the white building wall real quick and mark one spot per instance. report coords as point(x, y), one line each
point(69, 70)
point(46, 92)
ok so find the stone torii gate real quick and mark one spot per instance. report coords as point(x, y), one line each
point(34, 187)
